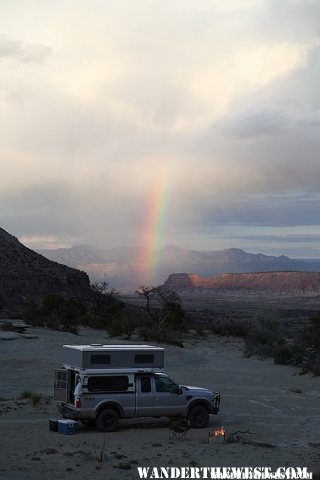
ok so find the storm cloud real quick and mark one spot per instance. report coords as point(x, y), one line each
point(100, 101)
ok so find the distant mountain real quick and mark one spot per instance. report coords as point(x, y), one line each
point(276, 283)
point(88, 254)
point(124, 267)
point(25, 274)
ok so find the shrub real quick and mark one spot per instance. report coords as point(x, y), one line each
point(164, 317)
point(34, 397)
point(262, 337)
point(315, 366)
point(33, 315)
point(282, 354)
point(52, 303)
point(297, 354)
point(265, 339)
point(232, 329)
point(2, 302)
point(56, 313)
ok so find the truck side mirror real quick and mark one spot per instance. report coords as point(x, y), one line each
point(179, 391)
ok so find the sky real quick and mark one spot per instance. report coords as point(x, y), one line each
point(155, 122)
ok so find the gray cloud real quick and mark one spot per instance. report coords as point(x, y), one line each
point(255, 210)
point(286, 238)
point(255, 122)
point(206, 92)
point(26, 53)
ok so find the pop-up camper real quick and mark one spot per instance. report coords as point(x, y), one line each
point(103, 383)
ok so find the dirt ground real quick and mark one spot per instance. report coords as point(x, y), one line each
point(274, 402)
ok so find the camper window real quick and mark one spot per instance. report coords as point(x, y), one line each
point(99, 359)
point(145, 384)
point(144, 358)
point(108, 384)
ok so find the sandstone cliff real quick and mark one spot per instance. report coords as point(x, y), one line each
point(24, 274)
point(281, 283)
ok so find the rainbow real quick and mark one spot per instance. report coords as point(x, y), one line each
point(155, 223)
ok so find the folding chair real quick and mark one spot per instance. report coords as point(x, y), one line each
point(178, 428)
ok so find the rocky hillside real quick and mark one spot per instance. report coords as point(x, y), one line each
point(25, 274)
point(281, 283)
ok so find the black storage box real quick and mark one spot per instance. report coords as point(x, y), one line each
point(53, 425)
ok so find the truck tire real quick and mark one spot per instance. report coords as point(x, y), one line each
point(198, 416)
point(107, 420)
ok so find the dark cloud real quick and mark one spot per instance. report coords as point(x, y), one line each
point(254, 122)
point(282, 238)
point(253, 211)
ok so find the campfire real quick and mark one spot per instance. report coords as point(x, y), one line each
point(221, 436)
point(217, 435)
point(220, 431)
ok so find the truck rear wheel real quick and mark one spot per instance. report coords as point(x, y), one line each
point(107, 420)
point(198, 417)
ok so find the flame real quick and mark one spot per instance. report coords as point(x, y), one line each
point(220, 431)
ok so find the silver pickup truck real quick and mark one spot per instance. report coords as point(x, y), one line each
point(104, 395)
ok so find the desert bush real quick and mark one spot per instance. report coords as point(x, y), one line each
point(101, 310)
point(56, 321)
point(56, 313)
point(282, 354)
point(51, 303)
point(33, 315)
point(265, 338)
point(161, 334)
point(200, 330)
point(164, 318)
point(312, 333)
point(262, 337)
point(297, 354)
point(33, 396)
point(307, 347)
point(72, 309)
point(115, 328)
point(129, 325)
point(53, 321)
point(102, 294)
point(2, 302)
point(232, 329)
point(315, 366)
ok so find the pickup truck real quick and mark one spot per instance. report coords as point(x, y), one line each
point(106, 397)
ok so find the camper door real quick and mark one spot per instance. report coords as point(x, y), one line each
point(61, 385)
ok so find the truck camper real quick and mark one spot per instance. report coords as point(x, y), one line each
point(104, 383)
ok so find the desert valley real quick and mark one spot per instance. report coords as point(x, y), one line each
point(274, 406)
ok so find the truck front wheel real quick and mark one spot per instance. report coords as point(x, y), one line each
point(107, 420)
point(198, 417)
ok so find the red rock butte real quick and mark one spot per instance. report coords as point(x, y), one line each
point(290, 283)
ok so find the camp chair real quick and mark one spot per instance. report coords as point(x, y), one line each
point(178, 428)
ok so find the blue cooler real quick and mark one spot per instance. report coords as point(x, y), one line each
point(67, 427)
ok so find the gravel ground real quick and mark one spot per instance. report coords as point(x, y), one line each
point(273, 402)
